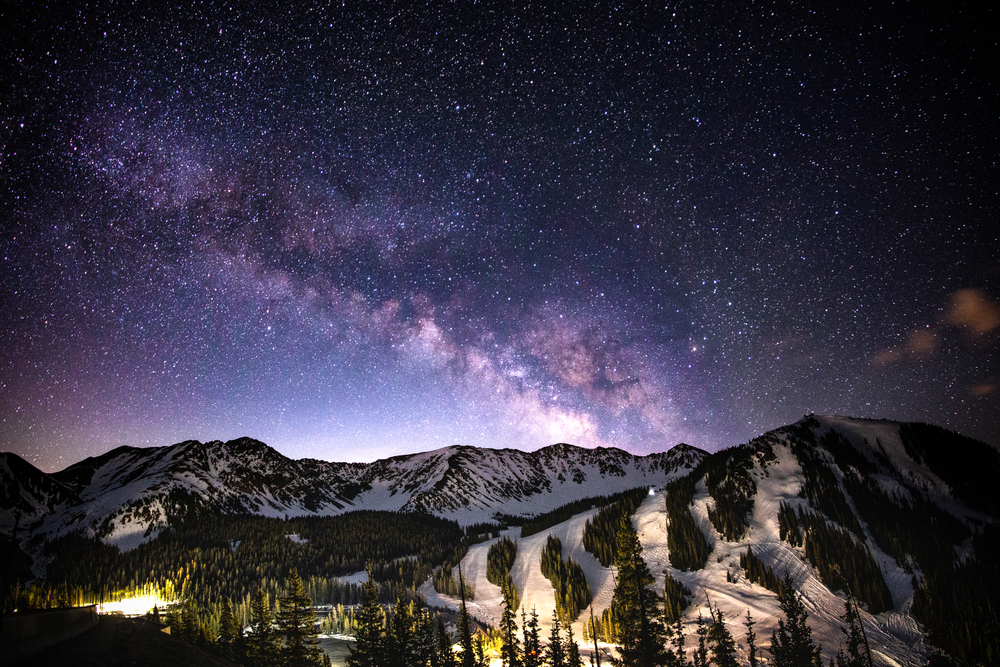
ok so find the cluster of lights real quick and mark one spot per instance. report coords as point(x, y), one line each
point(134, 606)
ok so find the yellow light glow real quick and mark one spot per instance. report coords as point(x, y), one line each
point(136, 606)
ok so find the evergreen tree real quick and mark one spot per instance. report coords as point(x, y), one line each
point(400, 644)
point(751, 638)
point(758, 572)
point(174, 621)
point(573, 658)
point(510, 649)
point(261, 644)
point(368, 647)
point(600, 533)
point(499, 559)
point(190, 624)
point(206, 636)
point(423, 637)
point(721, 641)
point(297, 624)
point(444, 656)
point(572, 592)
point(857, 654)
point(674, 600)
point(532, 643)
point(227, 632)
point(640, 634)
point(701, 653)
point(678, 643)
point(688, 548)
point(482, 659)
point(670, 659)
point(791, 643)
point(555, 655)
point(468, 658)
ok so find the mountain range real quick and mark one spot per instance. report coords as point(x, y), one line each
point(902, 517)
point(129, 494)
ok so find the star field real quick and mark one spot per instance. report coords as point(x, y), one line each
point(359, 231)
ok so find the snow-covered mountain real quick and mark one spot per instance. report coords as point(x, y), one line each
point(893, 488)
point(912, 503)
point(27, 493)
point(128, 495)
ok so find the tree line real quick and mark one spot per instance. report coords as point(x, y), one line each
point(729, 482)
point(821, 487)
point(759, 572)
point(688, 547)
point(572, 592)
point(499, 559)
point(209, 558)
point(444, 579)
point(600, 532)
point(288, 638)
point(569, 510)
point(843, 562)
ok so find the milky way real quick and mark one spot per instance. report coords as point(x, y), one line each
point(361, 231)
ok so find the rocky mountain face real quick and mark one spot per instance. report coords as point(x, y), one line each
point(27, 493)
point(127, 495)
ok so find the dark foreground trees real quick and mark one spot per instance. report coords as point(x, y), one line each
point(640, 635)
point(261, 643)
point(406, 637)
point(297, 624)
point(366, 651)
point(294, 643)
point(791, 643)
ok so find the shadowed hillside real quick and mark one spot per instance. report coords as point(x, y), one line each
point(118, 641)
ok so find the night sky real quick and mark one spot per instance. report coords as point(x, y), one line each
point(371, 230)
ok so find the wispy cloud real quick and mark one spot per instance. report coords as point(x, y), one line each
point(974, 310)
point(970, 310)
point(982, 389)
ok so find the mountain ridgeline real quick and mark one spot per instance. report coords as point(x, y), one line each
point(128, 495)
point(898, 521)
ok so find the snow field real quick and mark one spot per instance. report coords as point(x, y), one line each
point(895, 637)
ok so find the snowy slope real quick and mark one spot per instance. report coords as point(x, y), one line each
point(895, 636)
point(128, 495)
point(27, 494)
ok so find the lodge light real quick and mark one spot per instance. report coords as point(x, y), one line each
point(133, 606)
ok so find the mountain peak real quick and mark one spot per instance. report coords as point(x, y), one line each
point(123, 495)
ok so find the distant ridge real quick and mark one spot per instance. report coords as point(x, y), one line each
point(127, 495)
